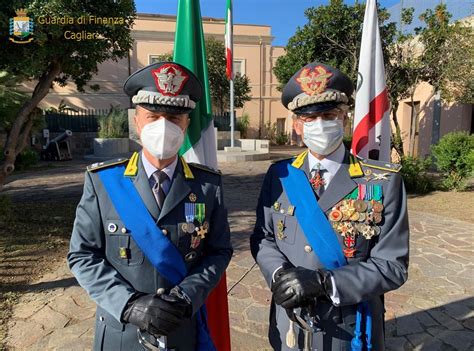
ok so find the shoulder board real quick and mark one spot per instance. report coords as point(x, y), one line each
point(384, 166)
point(100, 165)
point(205, 168)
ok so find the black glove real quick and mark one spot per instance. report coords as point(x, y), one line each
point(157, 314)
point(298, 287)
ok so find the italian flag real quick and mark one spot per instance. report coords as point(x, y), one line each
point(200, 142)
point(228, 41)
point(371, 137)
point(189, 50)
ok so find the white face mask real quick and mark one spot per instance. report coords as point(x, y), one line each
point(162, 138)
point(323, 136)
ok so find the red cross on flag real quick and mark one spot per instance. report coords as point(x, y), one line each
point(371, 136)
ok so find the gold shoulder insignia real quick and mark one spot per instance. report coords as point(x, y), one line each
point(205, 168)
point(299, 160)
point(384, 166)
point(99, 165)
point(355, 170)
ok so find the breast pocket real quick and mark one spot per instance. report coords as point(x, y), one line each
point(120, 247)
point(284, 229)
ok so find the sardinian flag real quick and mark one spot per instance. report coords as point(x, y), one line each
point(228, 41)
point(371, 136)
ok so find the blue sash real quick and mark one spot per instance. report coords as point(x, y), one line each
point(320, 234)
point(159, 250)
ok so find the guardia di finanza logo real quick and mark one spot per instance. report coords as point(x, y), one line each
point(21, 28)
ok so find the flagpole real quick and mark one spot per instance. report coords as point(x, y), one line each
point(232, 124)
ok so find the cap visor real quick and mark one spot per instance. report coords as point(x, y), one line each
point(167, 109)
point(314, 108)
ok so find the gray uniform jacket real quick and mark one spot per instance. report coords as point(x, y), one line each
point(111, 268)
point(379, 264)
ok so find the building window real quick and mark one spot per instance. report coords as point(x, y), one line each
point(159, 58)
point(239, 66)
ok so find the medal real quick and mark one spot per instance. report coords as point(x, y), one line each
point(195, 241)
point(349, 253)
point(360, 206)
point(200, 212)
point(349, 241)
point(355, 217)
point(346, 228)
point(377, 206)
point(201, 232)
point(377, 217)
point(377, 230)
point(317, 181)
point(190, 228)
point(335, 215)
point(189, 212)
point(362, 216)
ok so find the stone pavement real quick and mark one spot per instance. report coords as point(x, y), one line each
point(434, 310)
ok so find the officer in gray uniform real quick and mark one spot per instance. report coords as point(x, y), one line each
point(365, 204)
point(185, 201)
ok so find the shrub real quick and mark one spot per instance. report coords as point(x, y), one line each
point(414, 175)
point(26, 159)
point(114, 124)
point(454, 156)
point(243, 124)
point(281, 139)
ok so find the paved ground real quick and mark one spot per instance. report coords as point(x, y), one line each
point(434, 310)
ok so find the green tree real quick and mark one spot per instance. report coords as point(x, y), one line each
point(438, 53)
point(51, 58)
point(220, 88)
point(332, 35)
point(218, 83)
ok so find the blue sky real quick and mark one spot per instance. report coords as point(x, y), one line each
point(284, 16)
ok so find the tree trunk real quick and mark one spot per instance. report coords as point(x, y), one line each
point(18, 135)
point(397, 141)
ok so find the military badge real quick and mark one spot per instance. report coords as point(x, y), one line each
point(21, 28)
point(192, 197)
point(281, 230)
point(276, 206)
point(195, 241)
point(349, 253)
point(290, 211)
point(169, 79)
point(314, 81)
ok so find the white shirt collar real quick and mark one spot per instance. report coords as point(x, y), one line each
point(331, 163)
point(150, 169)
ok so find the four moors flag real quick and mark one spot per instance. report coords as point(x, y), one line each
point(371, 136)
point(189, 50)
point(228, 41)
point(200, 142)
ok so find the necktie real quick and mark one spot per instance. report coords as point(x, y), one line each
point(159, 178)
point(317, 181)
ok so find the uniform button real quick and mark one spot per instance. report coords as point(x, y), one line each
point(101, 318)
point(124, 230)
point(308, 248)
point(165, 232)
